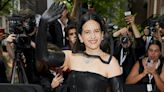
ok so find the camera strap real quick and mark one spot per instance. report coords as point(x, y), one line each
point(122, 57)
point(148, 40)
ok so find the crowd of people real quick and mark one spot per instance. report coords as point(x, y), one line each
point(66, 56)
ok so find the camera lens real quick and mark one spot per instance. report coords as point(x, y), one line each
point(124, 39)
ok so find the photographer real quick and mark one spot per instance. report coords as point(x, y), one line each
point(161, 32)
point(21, 42)
point(154, 31)
point(147, 37)
point(151, 32)
point(128, 45)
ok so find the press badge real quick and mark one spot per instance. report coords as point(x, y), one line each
point(149, 87)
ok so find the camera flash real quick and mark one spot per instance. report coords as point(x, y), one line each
point(127, 13)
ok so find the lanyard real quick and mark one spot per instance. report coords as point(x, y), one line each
point(150, 75)
point(148, 40)
point(122, 57)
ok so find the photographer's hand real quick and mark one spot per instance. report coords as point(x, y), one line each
point(10, 38)
point(122, 31)
point(157, 35)
point(9, 46)
point(130, 19)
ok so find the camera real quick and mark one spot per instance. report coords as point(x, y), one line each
point(152, 26)
point(112, 26)
point(22, 26)
point(22, 41)
point(15, 24)
point(124, 39)
point(127, 13)
point(149, 62)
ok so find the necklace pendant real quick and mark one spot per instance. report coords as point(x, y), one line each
point(87, 60)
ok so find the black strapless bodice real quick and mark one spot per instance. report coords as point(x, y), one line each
point(86, 82)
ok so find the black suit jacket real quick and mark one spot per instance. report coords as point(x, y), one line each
point(55, 34)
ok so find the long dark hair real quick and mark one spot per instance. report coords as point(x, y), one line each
point(156, 42)
point(105, 44)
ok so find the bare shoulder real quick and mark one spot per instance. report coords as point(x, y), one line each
point(66, 64)
point(67, 52)
point(114, 62)
point(114, 68)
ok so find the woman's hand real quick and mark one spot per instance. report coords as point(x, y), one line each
point(145, 72)
point(57, 80)
point(151, 69)
point(53, 12)
point(11, 38)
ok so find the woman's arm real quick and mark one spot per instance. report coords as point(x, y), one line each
point(120, 32)
point(136, 32)
point(159, 79)
point(134, 75)
point(42, 53)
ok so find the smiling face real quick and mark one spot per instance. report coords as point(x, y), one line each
point(91, 35)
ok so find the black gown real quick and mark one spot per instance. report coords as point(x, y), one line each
point(79, 81)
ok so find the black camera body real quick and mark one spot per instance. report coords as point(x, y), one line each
point(22, 41)
point(112, 26)
point(124, 39)
point(17, 27)
point(15, 24)
point(152, 26)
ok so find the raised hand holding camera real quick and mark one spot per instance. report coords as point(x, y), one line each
point(130, 19)
point(11, 38)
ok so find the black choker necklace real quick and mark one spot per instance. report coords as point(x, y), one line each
point(89, 55)
point(94, 56)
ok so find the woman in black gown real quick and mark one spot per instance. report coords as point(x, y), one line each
point(92, 69)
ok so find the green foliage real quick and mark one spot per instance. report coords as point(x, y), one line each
point(6, 9)
point(113, 10)
point(68, 4)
